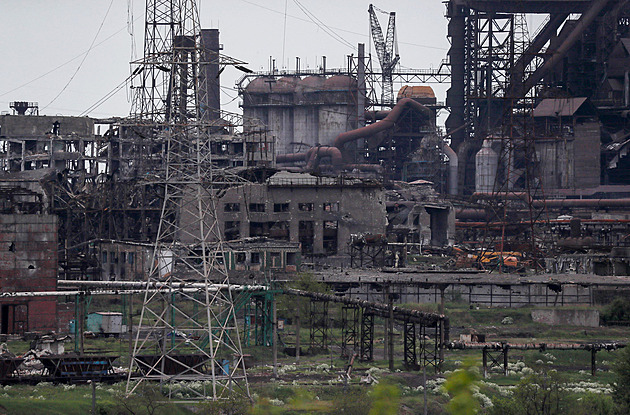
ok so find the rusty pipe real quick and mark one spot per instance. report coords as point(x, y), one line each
point(384, 124)
point(290, 158)
point(316, 153)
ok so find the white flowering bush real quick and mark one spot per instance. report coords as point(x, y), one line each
point(507, 320)
point(484, 400)
point(322, 368)
point(375, 371)
point(276, 402)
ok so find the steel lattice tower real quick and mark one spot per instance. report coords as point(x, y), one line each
point(184, 337)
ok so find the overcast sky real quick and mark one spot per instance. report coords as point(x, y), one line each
point(46, 54)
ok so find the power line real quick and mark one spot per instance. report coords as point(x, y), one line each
point(64, 64)
point(106, 97)
point(84, 57)
point(323, 26)
point(337, 28)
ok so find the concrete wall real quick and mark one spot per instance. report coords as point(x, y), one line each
point(24, 126)
point(354, 209)
point(567, 317)
point(586, 155)
point(556, 172)
point(28, 262)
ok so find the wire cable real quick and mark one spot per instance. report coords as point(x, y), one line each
point(107, 96)
point(63, 64)
point(84, 57)
point(337, 28)
point(323, 26)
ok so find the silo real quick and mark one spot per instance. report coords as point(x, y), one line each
point(486, 165)
point(337, 114)
point(280, 104)
point(255, 99)
point(306, 112)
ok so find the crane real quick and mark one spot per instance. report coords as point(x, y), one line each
point(387, 51)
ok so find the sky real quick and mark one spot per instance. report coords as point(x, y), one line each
point(68, 55)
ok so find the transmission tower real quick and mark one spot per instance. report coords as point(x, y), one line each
point(387, 51)
point(186, 339)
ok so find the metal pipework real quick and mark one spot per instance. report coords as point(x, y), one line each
point(158, 285)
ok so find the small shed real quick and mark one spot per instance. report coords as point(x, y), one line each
point(105, 322)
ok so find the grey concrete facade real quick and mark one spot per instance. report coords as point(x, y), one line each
point(320, 213)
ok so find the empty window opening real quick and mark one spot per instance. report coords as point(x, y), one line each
point(280, 207)
point(279, 230)
point(306, 236)
point(276, 261)
point(331, 207)
point(232, 207)
point(255, 258)
point(240, 257)
point(256, 207)
point(330, 237)
point(305, 207)
point(232, 230)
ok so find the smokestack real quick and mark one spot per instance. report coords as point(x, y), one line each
point(211, 97)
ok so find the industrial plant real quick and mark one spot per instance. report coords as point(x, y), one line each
point(512, 190)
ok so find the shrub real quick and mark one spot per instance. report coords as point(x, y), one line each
point(617, 310)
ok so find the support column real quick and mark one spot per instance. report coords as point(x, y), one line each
point(484, 358)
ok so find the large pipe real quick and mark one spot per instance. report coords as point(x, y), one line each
point(453, 165)
point(313, 155)
point(290, 158)
point(316, 153)
point(376, 168)
point(560, 203)
point(384, 124)
point(585, 20)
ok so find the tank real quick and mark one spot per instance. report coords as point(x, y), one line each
point(306, 113)
point(301, 113)
point(486, 165)
point(338, 109)
point(421, 93)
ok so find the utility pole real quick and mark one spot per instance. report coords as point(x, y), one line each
point(390, 327)
point(174, 344)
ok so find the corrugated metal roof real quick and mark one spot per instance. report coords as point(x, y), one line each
point(558, 107)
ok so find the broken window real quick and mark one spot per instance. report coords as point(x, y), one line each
point(280, 207)
point(330, 237)
point(279, 230)
point(231, 207)
point(258, 229)
point(306, 207)
point(240, 257)
point(256, 207)
point(306, 236)
point(275, 260)
point(232, 230)
point(331, 207)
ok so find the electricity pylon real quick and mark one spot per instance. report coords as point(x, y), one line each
point(187, 340)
